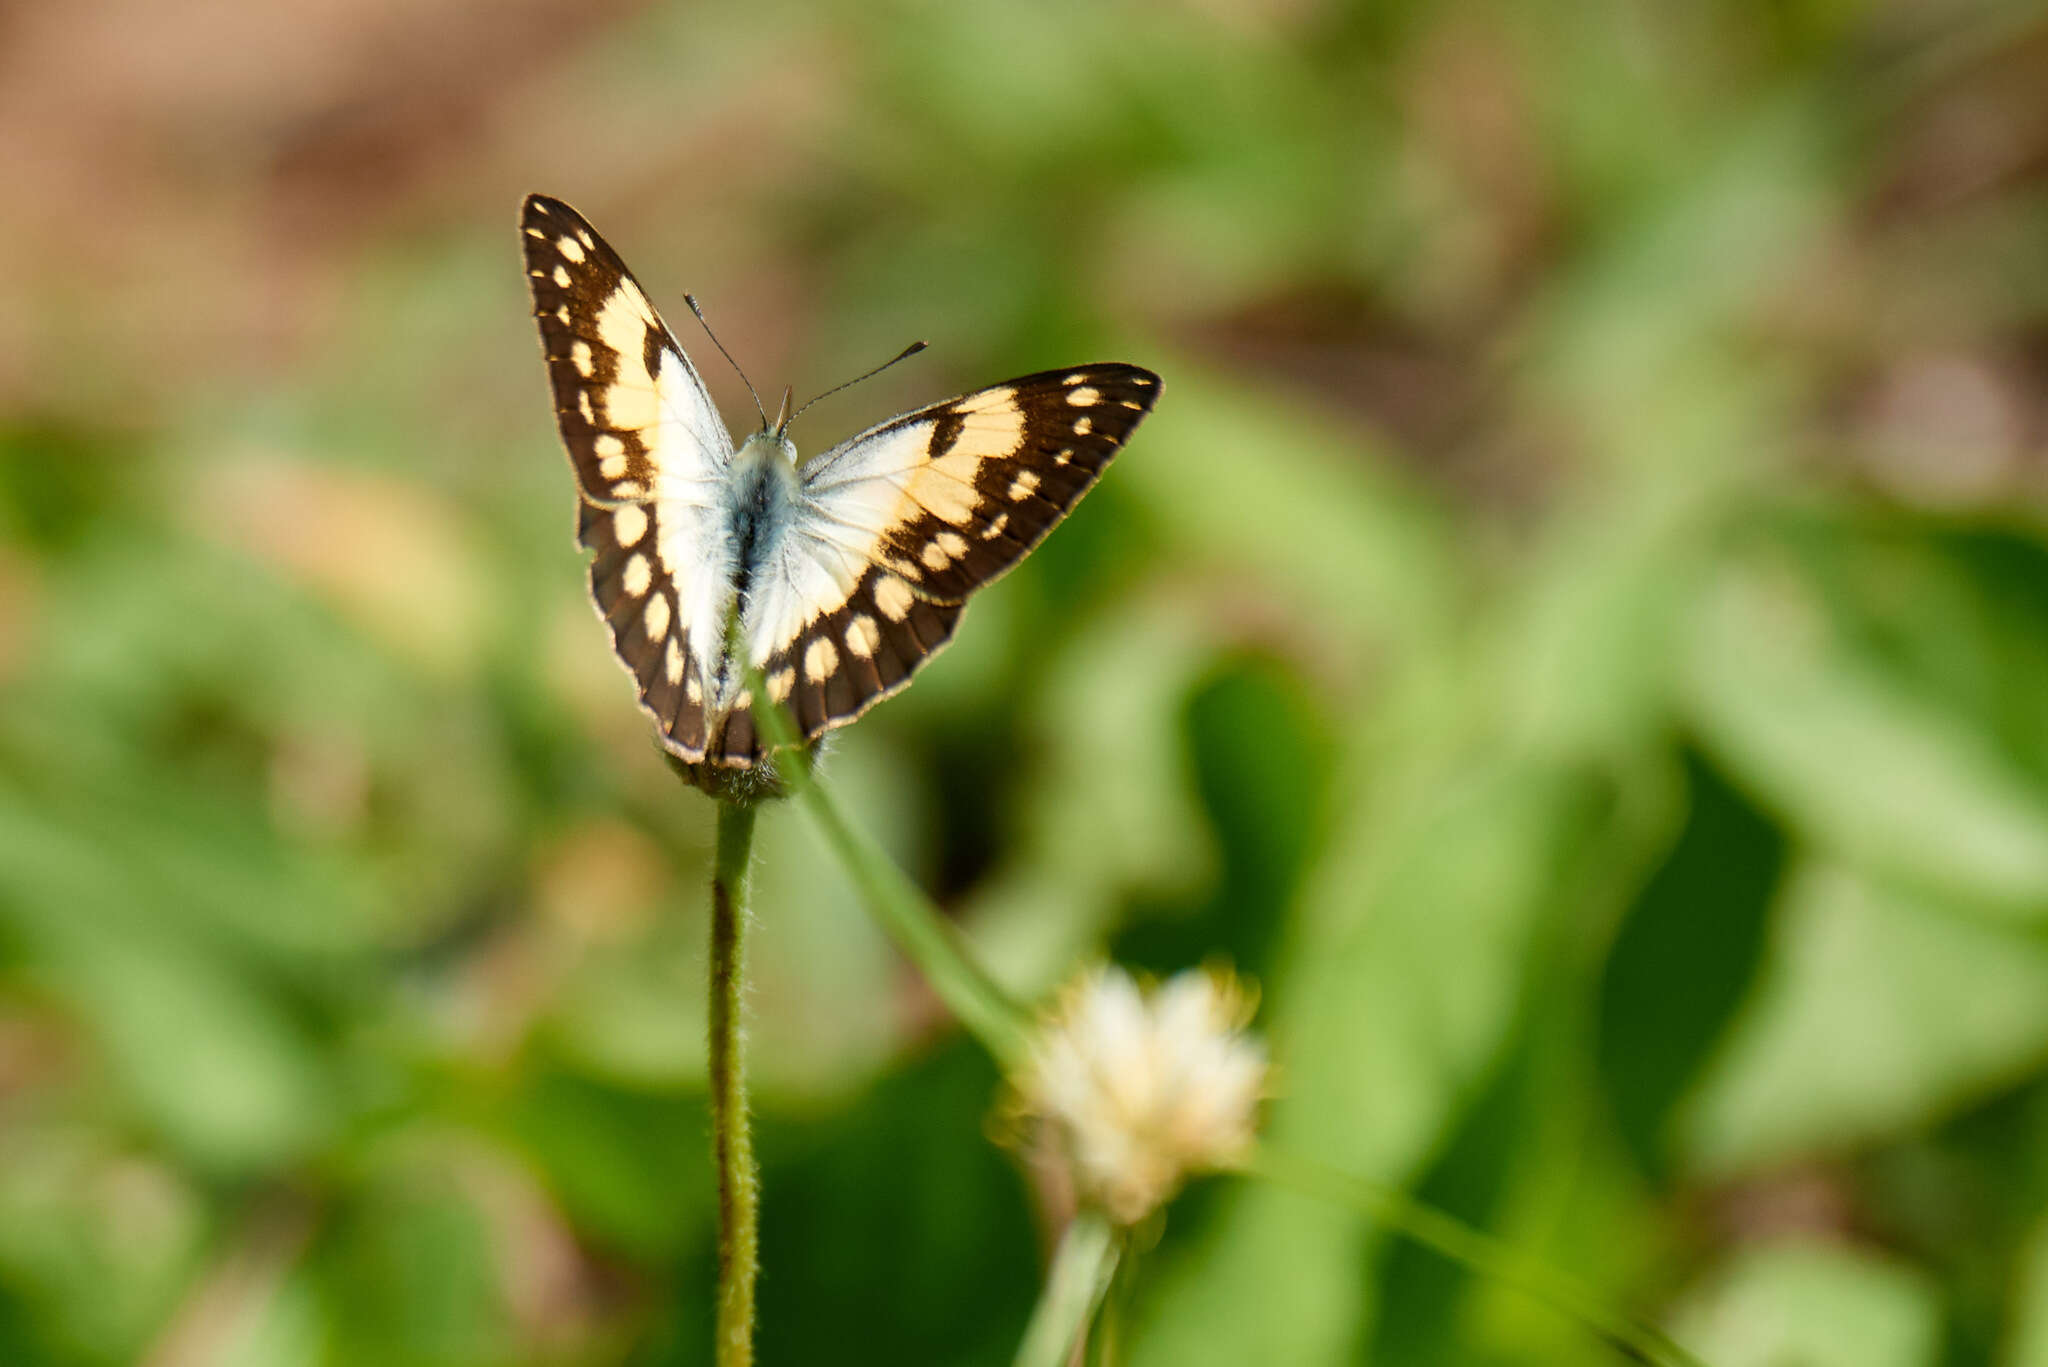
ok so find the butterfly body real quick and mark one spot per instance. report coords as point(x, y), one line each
point(759, 507)
point(836, 577)
point(763, 504)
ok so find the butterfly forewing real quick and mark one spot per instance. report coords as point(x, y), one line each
point(632, 410)
point(898, 526)
point(651, 459)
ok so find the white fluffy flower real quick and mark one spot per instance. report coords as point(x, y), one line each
point(1135, 1090)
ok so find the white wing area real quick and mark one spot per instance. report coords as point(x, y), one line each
point(689, 423)
point(850, 499)
point(692, 459)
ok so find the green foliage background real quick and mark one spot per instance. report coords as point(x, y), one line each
point(1576, 630)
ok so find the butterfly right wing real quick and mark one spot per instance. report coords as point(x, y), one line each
point(897, 527)
point(651, 457)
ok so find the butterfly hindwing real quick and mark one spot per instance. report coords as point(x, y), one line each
point(898, 526)
point(845, 659)
point(643, 605)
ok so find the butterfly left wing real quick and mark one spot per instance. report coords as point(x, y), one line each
point(895, 528)
point(651, 458)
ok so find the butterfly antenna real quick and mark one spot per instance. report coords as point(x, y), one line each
point(904, 354)
point(691, 300)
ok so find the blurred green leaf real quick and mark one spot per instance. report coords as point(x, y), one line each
point(874, 1221)
point(1684, 959)
point(97, 1242)
point(1875, 1010)
point(633, 1169)
point(1261, 754)
point(1815, 1305)
point(1110, 813)
point(2028, 1346)
point(410, 1274)
point(1828, 737)
point(211, 1057)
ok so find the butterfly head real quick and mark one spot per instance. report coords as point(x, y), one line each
point(767, 447)
point(771, 445)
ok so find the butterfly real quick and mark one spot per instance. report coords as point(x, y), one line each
point(837, 577)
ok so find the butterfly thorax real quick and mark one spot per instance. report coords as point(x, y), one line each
point(761, 499)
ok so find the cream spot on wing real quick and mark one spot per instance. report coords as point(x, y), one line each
point(637, 576)
point(1081, 396)
point(780, 683)
point(562, 276)
point(1083, 425)
point(945, 489)
point(583, 406)
point(608, 444)
point(629, 290)
point(572, 249)
point(1066, 454)
point(934, 556)
point(995, 528)
point(1077, 377)
point(562, 315)
point(862, 635)
point(622, 323)
point(954, 544)
point(535, 232)
point(990, 426)
point(1024, 485)
point(612, 467)
point(820, 660)
point(631, 407)
point(995, 420)
point(656, 618)
point(539, 207)
point(909, 569)
point(588, 241)
point(893, 597)
point(586, 362)
point(693, 690)
point(1132, 404)
point(629, 524)
point(673, 661)
point(631, 488)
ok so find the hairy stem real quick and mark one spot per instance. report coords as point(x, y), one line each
point(732, 1142)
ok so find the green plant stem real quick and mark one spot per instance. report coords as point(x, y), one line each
point(1482, 1253)
point(732, 1141)
point(930, 941)
point(1080, 1273)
